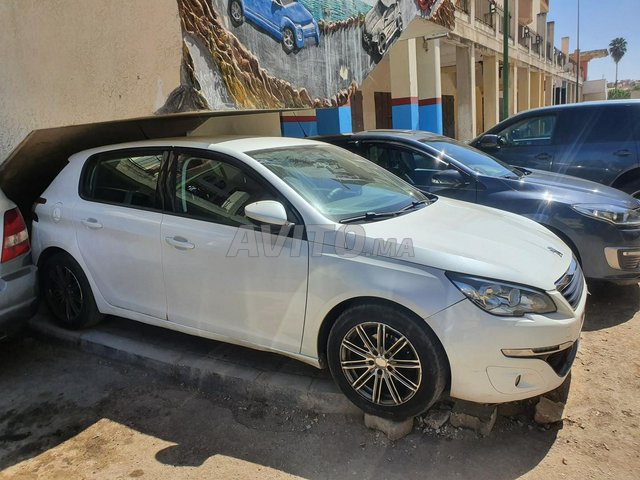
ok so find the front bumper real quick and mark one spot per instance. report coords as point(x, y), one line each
point(474, 341)
point(18, 299)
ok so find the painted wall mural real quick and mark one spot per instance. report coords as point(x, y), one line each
point(254, 54)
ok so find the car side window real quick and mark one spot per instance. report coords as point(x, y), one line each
point(214, 190)
point(414, 167)
point(128, 180)
point(530, 131)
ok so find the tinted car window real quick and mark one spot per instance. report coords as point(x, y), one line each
point(125, 180)
point(473, 159)
point(530, 131)
point(594, 125)
point(214, 190)
point(413, 167)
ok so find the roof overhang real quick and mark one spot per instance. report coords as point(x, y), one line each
point(36, 161)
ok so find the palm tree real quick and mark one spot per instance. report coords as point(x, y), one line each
point(617, 49)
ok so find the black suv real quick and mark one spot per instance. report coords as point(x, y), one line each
point(599, 141)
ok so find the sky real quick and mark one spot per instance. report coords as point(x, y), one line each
point(601, 22)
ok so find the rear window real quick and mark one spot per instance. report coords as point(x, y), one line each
point(596, 125)
point(128, 180)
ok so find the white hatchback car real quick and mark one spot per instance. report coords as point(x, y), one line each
point(308, 250)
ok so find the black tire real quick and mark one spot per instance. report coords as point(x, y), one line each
point(234, 7)
point(382, 45)
point(68, 293)
point(631, 187)
point(288, 40)
point(428, 376)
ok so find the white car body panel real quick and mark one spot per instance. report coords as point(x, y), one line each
point(271, 303)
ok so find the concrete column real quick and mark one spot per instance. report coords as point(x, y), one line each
point(404, 84)
point(513, 88)
point(536, 89)
point(524, 89)
point(334, 120)
point(548, 90)
point(490, 90)
point(429, 87)
point(299, 124)
point(466, 92)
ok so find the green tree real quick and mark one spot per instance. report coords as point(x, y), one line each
point(617, 49)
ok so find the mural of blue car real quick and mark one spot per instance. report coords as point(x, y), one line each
point(288, 21)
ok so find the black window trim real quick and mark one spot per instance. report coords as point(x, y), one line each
point(125, 153)
point(171, 179)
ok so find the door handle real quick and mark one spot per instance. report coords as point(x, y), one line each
point(91, 223)
point(543, 156)
point(622, 153)
point(180, 243)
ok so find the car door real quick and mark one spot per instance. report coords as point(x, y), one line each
point(422, 170)
point(596, 143)
point(223, 274)
point(528, 142)
point(117, 221)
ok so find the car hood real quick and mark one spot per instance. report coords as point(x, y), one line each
point(297, 13)
point(559, 187)
point(472, 239)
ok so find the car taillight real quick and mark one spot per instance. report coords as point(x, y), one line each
point(15, 240)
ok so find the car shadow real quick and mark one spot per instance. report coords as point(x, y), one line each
point(51, 394)
point(610, 305)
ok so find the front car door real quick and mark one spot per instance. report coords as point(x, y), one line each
point(421, 169)
point(528, 142)
point(597, 143)
point(117, 222)
point(224, 275)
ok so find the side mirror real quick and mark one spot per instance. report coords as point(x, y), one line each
point(267, 211)
point(449, 178)
point(490, 141)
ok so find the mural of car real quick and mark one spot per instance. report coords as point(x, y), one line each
point(381, 26)
point(288, 21)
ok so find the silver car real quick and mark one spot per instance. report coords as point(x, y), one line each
point(18, 283)
point(381, 26)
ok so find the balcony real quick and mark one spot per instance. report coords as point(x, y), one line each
point(463, 6)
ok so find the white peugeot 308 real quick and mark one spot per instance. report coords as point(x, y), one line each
point(305, 249)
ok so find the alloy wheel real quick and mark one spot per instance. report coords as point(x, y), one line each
point(64, 293)
point(380, 364)
point(287, 39)
point(236, 11)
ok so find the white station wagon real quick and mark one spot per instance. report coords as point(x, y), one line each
point(307, 250)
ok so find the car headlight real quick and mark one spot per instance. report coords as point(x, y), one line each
point(610, 213)
point(503, 299)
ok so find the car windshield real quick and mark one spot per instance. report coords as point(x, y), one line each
point(475, 160)
point(338, 183)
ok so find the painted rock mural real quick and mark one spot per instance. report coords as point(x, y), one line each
point(254, 54)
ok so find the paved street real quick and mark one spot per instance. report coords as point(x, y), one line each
point(67, 414)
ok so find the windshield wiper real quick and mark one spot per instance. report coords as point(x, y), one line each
point(378, 216)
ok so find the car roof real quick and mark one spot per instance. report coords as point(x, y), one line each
point(598, 103)
point(238, 143)
point(416, 135)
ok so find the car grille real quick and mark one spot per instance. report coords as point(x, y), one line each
point(571, 284)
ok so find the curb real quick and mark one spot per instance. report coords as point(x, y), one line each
point(208, 365)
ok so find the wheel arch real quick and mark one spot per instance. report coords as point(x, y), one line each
point(626, 177)
point(331, 317)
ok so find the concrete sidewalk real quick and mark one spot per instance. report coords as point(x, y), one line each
point(209, 366)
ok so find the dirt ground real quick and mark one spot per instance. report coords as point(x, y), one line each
point(65, 414)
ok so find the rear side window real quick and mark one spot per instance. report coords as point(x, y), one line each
point(596, 125)
point(123, 180)
point(530, 131)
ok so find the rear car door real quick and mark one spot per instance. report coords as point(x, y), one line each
point(528, 142)
point(117, 220)
point(596, 143)
point(223, 273)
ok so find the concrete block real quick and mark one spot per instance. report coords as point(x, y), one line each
point(393, 429)
point(436, 418)
point(475, 416)
point(548, 411)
